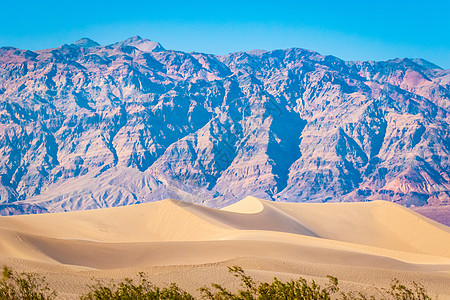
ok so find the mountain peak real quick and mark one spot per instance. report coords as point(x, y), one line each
point(132, 39)
point(256, 52)
point(86, 43)
point(135, 38)
point(425, 63)
point(144, 45)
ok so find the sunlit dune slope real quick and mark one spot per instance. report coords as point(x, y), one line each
point(169, 232)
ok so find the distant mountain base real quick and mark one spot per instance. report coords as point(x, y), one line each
point(439, 214)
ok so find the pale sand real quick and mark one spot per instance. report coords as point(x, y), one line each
point(363, 244)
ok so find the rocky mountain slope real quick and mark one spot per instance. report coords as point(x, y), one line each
point(86, 126)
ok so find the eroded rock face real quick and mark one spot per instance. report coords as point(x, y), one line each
point(87, 126)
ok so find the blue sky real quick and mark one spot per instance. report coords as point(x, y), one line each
point(351, 30)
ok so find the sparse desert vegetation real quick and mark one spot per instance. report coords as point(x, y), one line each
point(28, 286)
point(24, 286)
point(130, 289)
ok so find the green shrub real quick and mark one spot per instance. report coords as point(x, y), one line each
point(130, 290)
point(24, 286)
point(396, 291)
point(298, 289)
point(399, 291)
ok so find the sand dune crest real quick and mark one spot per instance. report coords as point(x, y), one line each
point(173, 233)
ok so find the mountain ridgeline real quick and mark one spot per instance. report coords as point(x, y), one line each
point(88, 126)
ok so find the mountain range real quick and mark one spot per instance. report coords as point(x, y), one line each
point(87, 126)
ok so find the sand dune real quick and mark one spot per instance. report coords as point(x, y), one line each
point(172, 235)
